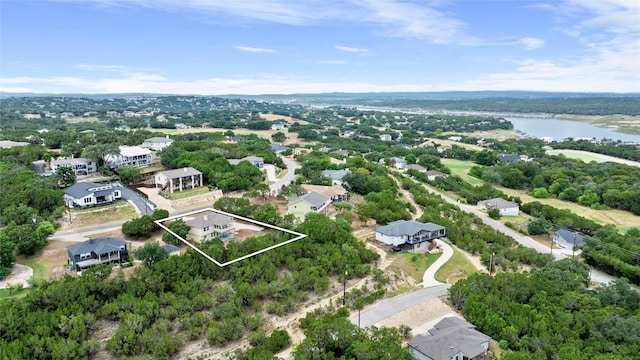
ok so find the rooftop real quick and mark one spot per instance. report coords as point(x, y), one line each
point(314, 198)
point(498, 203)
point(177, 173)
point(404, 227)
point(208, 220)
point(97, 245)
point(449, 337)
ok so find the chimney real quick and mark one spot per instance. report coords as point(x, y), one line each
point(206, 218)
point(185, 169)
point(166, 136)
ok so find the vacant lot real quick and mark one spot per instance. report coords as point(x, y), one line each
point(461, 168)
point(587, 156)
point(449, 142)
point(458, 267)
point(118, 211)
point(415, 264)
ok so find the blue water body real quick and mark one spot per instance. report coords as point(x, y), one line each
point(559, 129)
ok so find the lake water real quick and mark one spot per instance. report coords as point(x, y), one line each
point(559, 129)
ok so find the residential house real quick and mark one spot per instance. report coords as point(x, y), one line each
point(206, 125)
point(6, 144)
point(277, 126)
point(178, 179)
point(334, 192)
point(506, 208)
point(88, 193)
point(411, 232)
point(341, 152)
point(171, 249)
point(404, 146)
point(310, 202)
point(253, 160)
point(182, 126)
point(416, 167)
point(568, 239)
point(298, 151)
point(96, 251)
point(80, 166)
point(399, 163)
point(235, 139)
point(157, 143)
point(451, 339)
point(385, 137)
point(455, 138)
point(278, 148)
point(433, 174)
point(209, 226)
point(508, 158)
point(130, 156)
point(123, 128)
point(348, 133)
point(324, 149)
point(335, 175)
point(443, 148)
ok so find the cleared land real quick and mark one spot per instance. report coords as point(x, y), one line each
point(458, 267)
point(461, 168)
point(622, 123)
point(461, 144)
point(587, 156)
point(415, 264)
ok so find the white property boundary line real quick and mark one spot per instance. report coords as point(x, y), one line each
point(297, 234)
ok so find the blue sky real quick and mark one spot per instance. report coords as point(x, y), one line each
point(309, 46)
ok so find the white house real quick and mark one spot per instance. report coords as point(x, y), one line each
point(506, 208)
point(409, 232)
point(80, 166)
point(130, 156)
point(385, 137)
point(88, 193)
point(178, 179)
point(210, 226)
point(157, 143)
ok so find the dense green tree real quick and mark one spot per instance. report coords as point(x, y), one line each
point(179, 227)
point(129, 174)
point(65, 176)
point(150, 253)
point(279, 137)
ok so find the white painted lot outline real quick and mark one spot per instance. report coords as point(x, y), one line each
point(297, 235)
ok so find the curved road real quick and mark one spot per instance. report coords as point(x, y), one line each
point(287, 179)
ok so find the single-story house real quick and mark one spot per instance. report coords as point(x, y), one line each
point(450, 339)
point(80, 166)
point(178, 179)
point(416, 167)
point(157, 143)
point(7, 144)
point(310, 202)
point(443, 148)
point(335, 175)
point(399, 163)
point(277, 126)
point(567, 238)
point(385, 137)
point(209, 226)
point(279, 148)
point(334, 192)
point(433, 174)
point(508, 158)
point(88, 193)
point(341, 152)
point(130, 156)
point(409, 232)
point(506, 208)
point(97, 251)
point(254, 160)
point(171, 249)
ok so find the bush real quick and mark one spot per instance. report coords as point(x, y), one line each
point(494, 214)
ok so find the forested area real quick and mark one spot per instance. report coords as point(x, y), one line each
point(597, 185)
point(183, 298)
point(30, 206)
point(549, 314)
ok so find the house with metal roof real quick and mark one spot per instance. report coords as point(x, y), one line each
point(157, 143)
point(506, 208)
point(450, 339)
point(96, 251)
point(409, 232)
point(310, 202)
point(256, 161)
point(83, 194)
point(210, 226)
point(568, 239)
point(178, 179)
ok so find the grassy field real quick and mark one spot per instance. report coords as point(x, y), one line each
point(457, 268)
point(586, 157)
point(415, 264)
point(461, 144)
point(461, 168)
point(120, 210)
point(185, 193)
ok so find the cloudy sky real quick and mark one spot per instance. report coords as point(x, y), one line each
point(308, 46)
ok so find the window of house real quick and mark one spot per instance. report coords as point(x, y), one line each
point(122, 247)
point(87, 200)
point(205, 229)
point(85, 256)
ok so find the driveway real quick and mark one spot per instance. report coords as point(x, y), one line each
point(142, 205)
point(429, 279)
point(287, 179)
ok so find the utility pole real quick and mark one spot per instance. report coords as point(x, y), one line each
point(573, 248)
point(344, 286)
point(491, 264)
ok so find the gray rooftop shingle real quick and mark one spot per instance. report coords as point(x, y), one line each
point(571, 237)
point(498, 203)
point(314, 198)
point(177, 173)
point(448, 337)
point(97, 245)
point(81, 189)
point(209, 219)
point(335, 174)
point(404, 227)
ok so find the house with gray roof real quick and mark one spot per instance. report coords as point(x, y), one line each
point(178, 179)
point(506, 208)
point(450, 339)
point(96, 251)
point(568, 239)
point(310, 202)
point(279, 148)
point(157, 143)
point(209, 226)
point(80, 166)
point(409, 232)
point(335, 175)
point(83, 194)
point(256, 161)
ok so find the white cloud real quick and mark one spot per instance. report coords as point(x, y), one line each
point(351, 49)
point(109, 68)
point(253, 49)
point(531, 43)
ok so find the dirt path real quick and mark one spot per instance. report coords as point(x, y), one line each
point(409, 197)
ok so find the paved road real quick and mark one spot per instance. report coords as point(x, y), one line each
point(392, 306)
point(287, 179)
point(596, 276)
point(429, 277)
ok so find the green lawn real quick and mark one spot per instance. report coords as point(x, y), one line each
point(461, 168)
point(458, 267)
point(415, 264)
point(185, 193)
point(581, 156)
